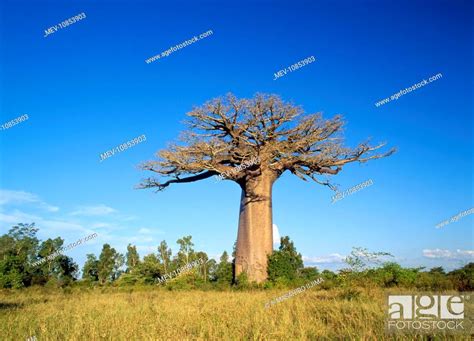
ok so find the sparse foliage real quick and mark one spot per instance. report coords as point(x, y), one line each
point(223, 133)
point(164, 255)
point(361, 259)
point(186, 251)
point(133, 259)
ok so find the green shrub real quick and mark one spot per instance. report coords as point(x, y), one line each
point(284, 263)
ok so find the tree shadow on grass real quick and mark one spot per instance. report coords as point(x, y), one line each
point(8, 306)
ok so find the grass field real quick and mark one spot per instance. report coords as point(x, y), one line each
point(158, 314)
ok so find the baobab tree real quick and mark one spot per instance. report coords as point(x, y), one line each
point(225, 133)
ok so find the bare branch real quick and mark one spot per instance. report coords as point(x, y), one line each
point(225, 133)
point(151, 182)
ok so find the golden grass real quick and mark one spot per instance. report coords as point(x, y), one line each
point(157, 314)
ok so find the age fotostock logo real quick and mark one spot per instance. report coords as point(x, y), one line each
point(427, 313)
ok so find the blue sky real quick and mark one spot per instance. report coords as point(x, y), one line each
point(86, 89)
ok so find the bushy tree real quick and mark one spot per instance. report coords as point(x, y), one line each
point(437, 270)
point(203, 269)
point(150, 269)
point(18, 249)
point(309, 273)
point(328, 275)
point(60, 270)
point(286, 263)
point(223, 273)
point(186, 251)
point(66, 271)
point(463, 278)
point(109, 265)
point(133, 259)
point(90, 271)
point(392, 274)
point(164, 255)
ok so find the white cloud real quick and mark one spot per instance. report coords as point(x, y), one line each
point(144, 230)
point(17, 216)
point(468, 253)
point(447, 254)
point(331, 258)
point(74, 225)
point(437, 253)
point(276, 235)
point(47, 227)
point(98, 210)
point(21, 197)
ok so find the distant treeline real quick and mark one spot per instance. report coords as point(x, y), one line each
point(20, 250)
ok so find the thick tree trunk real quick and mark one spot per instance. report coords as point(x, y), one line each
point(255, 235)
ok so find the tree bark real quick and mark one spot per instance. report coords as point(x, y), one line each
point(255, 234)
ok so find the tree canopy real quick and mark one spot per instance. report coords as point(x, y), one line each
point(226, 132)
